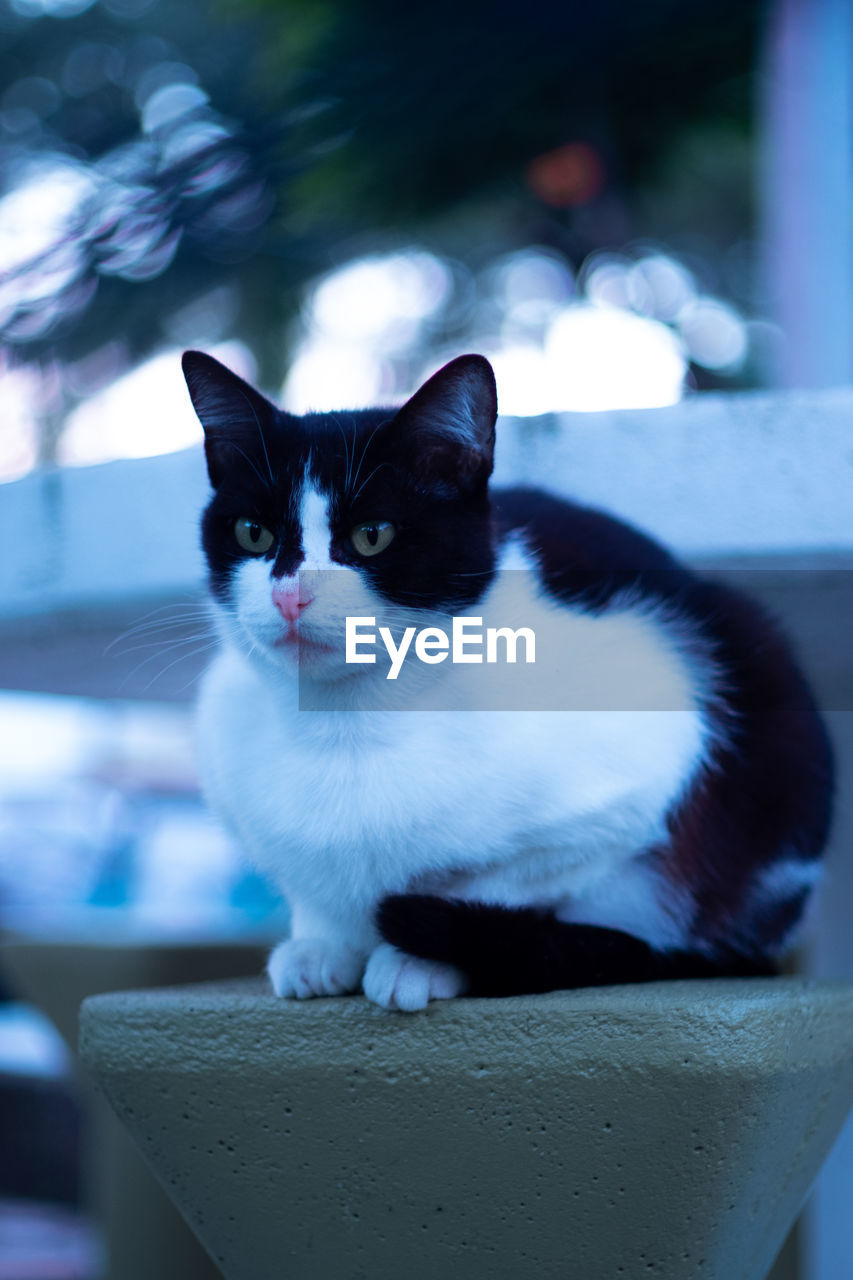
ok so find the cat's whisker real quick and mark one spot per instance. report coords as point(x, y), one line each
point(176, 604)
point(153, 628)
point(140, 666)
point(171, 619)
point(162, 628)
point(204, 648)
point(246, 458)
point(353, 478)
point(160, 644)
point(192, 680)
point(168, 610)
point(337, 423)
point(261, 434)
point(369, 478)
point(164, 648)
point(364, 453)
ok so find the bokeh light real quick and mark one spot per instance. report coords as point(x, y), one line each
point(567, 176)
point(620, 332)
point(362, 329)
point(65, 223)
point(36, 216)
point(354, 321)
point(606, 358)
point(329, 375)
point(380, 298)
point(531, 285)
point(145, 412)
point(51, 8)
point(612, 280)
point(714, 334)
point(660, 286)
point(524, 379)
point(21, 394)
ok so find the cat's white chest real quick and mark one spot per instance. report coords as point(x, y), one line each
point(364, 795)
point(343, 807)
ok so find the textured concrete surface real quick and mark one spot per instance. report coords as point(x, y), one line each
point(670, 1130)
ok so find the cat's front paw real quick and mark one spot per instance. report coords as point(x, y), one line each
point(398, 981)
point(304, 967)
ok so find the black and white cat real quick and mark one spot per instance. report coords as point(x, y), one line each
point(427, 853)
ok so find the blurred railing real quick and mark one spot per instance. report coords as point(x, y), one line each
point(716, 476)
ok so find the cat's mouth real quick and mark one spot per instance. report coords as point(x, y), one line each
point(296, 641)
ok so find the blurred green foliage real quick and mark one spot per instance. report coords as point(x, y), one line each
point(413, 108)
point(344, 125)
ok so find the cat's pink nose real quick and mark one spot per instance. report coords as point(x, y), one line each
point(290, 599)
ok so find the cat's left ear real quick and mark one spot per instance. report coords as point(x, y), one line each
point(236, 418)
point(447, 429)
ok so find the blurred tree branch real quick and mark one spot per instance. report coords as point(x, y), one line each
point(309, 128)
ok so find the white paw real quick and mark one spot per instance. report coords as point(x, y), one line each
point(303, 967)
point(398, 981)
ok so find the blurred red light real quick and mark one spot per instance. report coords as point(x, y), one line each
point(567, 176)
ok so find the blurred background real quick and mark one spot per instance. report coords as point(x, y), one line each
point(626, 207)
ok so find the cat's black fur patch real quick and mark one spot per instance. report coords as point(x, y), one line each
point(508, 951)
point(766, 795)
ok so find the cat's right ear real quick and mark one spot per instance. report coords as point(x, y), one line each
point(236, 418)
point(447, 428)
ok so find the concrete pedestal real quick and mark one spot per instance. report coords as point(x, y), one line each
point(670, 1130)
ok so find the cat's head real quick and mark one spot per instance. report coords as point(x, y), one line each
point(375, 512)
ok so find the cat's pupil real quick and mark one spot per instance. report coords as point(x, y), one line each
point(372, 534)
point(255, 532)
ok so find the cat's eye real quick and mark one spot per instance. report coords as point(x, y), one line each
point(252, 536)
point(371, 538)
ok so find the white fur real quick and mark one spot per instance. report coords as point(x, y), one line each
point(398, 981)
point(784, 880)
point(314, 518)
point(526, 806)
